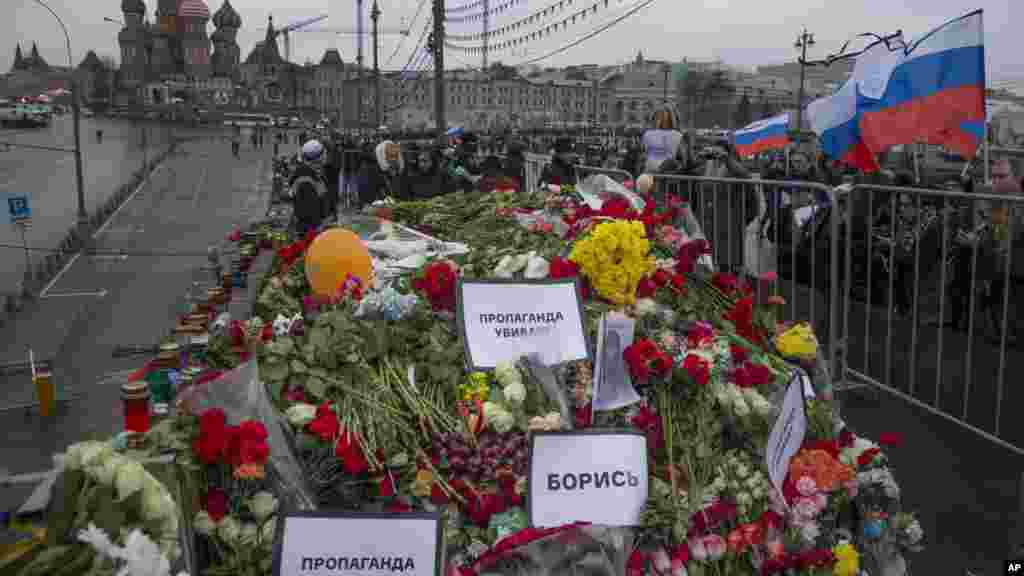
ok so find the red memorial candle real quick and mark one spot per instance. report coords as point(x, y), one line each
point(135, 396)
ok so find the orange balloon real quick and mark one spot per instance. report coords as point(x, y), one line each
point(334, 255)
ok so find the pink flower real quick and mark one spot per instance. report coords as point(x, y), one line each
point(715, 545)
point(806, 486)
point(769, 277)
point(698, 550)
point(851, 488)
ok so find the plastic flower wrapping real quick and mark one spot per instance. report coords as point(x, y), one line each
point(366, 404)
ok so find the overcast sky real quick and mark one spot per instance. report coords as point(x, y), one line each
point(743, 32)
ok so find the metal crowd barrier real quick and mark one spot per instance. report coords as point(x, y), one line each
point(533, 167)
point(954, 255)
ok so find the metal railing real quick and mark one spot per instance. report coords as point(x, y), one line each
point(914, 257)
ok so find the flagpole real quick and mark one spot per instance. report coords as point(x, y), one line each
point(988, 168)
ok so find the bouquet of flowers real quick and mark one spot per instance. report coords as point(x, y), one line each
point(109, 515)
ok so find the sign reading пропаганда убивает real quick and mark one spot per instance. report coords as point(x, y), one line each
point(502, 320)
point(595, 476)
point(326, 544)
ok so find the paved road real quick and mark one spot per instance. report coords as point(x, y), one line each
point(193, 202)
point(49, 178)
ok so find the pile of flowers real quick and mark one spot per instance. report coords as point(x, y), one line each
point(383, 416)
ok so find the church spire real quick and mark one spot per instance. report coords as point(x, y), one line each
point(18, 58)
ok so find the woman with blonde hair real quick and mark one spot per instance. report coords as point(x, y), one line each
point(662, 143)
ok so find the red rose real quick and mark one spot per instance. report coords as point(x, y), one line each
point(636, 564)
point(584, 415)
point(648, 421)
point(325, 426)
point(661, 277)
point(351, 454)
point(846, 438)
point(894, 439)
point(437, 495)
point(770, 519)
point(868, 456)
point(268, 333)
point(646, 288)
point(216, 504)
point(212, 421)
point(725, 282)
point(679, 284)
point(739, 354)
point(698, 368)
point(661, 364)
point(386, 487)
point(689, 253)
point(438, 284)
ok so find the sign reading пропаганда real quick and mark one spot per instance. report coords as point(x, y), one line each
point(500, 321)
point(594, 476)
point(326, 544)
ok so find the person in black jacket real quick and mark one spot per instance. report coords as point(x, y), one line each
point(420, 179)
point(332, 171)
point(309, 188)
point(562, 169)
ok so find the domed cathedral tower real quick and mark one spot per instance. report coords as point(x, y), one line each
point(193, 16)
point(166, 46)
point(134, 40)
point(226, 54)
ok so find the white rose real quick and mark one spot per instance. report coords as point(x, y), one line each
point(129, 478)
point(300, 414)
point(537, 267)
point(504, 267)
point(263, 505)
point(156, 503)
point(499, 419)
point(743, 499)
point(506, 374)
point(740, 408)
point(645, 307)
point(249, 534)
point(96, 453)
point(515, 393)
point(519, 262)
point(203, 524)
point(267, 533)
point(229, 530)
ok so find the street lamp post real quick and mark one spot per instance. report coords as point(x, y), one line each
point(803, 41)
point(83, 216)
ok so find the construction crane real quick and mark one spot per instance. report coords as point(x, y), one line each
point(350, 32)
point(296, 27)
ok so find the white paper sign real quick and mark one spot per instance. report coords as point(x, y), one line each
point(502, 321)
point(612, 386)
point(320, 544)
point(596, 477)
point(788, 432)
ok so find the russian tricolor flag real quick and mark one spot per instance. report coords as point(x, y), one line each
point(931, 92)
point(935, 93)
point(768, 134)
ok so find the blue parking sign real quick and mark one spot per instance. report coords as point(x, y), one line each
point(18, 208)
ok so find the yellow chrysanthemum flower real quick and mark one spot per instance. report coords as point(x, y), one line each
point(798, 342)
point(847, 560)
point(476, 387)
point(614, 257)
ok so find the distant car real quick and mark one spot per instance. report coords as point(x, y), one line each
point(295, 120)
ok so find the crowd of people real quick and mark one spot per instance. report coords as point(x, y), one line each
point(332, 171)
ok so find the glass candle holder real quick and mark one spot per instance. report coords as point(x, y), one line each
point(135, 397)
